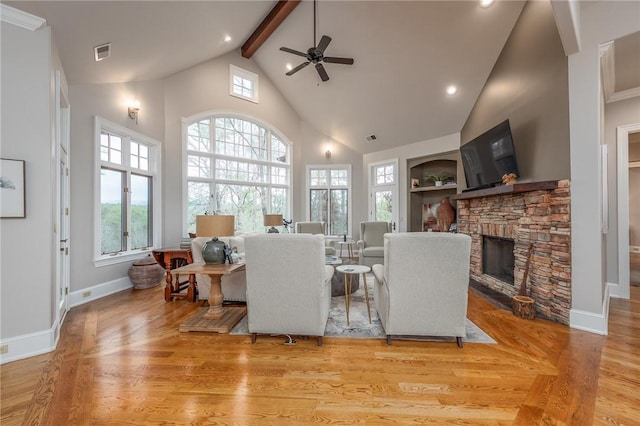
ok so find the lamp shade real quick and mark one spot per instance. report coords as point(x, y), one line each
point(272, 220)
point(215, 225)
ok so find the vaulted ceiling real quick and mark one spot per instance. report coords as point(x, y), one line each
point(406, 54)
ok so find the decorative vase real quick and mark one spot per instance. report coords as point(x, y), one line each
point(438, 183)
point(213, 251)
point(146, 273)
point(445, 215)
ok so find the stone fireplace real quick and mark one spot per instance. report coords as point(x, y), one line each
point(536, 214)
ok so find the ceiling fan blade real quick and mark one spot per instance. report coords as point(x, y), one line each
point(346, 61)
point(295, 52)
point(322, 72)
point(324, 42)
point(298, 68)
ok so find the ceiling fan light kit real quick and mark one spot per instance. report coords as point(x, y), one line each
point(315, 54)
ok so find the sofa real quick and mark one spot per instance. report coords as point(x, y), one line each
point(421, 290)
point(234, 286)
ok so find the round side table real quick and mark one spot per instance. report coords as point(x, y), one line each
point(349, 272)
point(349, 245)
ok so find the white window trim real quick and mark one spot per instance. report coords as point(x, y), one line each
point(310, 167)
point(213, 114)
point(247, 75)
point(155, 161)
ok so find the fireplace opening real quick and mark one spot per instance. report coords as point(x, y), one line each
point(497, 258)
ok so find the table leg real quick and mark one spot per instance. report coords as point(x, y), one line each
point(347, 294)
point(215, 298)
point(366, 292)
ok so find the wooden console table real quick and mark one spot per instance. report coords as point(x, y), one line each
point(215, 318)
point(170, 259)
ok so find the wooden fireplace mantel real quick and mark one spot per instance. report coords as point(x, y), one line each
point(507, 189)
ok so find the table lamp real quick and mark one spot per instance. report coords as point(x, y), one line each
point(214, 225)
point(272, 220)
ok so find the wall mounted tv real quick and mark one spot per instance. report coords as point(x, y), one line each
point(488, 157)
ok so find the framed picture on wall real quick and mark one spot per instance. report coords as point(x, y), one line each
point(12, 189)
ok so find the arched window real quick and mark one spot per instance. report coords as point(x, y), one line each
point(236, 166)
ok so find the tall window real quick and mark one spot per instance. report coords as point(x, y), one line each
point(383, 190)
point(128, 177)
point(236, 166)
point(328, 197)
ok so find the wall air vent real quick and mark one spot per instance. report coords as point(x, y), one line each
point(102, 52)
point(371, 138)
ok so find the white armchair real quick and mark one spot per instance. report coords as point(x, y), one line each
point(370, 245)
point(288, 285)
point(421, 290)
point(234, 286)
point(316, 228)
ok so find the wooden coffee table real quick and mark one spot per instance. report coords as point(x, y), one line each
point(216, 318)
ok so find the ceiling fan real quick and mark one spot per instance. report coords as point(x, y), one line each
point(315, 54)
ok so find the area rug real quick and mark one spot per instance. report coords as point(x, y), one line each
point(359, 326)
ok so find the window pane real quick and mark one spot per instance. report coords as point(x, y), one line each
point(246, 203)
point(279, 175)
point(339, 213)
point(383, 206)
point(318, 205)
point(384, 175)
point(141, 235)
point(241, 138)
point(198, 166)
point(198, 202)
point(236, 170)
point(112, 211)
point(279, 201)
point(319, 178)
point(338, 177)
point(278, 150)
point(198, 138)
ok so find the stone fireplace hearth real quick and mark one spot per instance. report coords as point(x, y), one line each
point(527, 213)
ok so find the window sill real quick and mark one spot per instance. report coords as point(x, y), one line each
point(108, 260)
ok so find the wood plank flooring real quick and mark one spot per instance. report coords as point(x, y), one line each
point(121, 360)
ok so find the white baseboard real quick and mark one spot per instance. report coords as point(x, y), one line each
point(41, 342)
point(593, 322)
point(80, 297)
point(29, 345)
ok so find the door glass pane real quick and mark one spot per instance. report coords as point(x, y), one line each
point(198, 202)
point(318, 207)
point(111, 211)
point(279, 201)
point(339, 213)
point(383, 206)
point(140, 212)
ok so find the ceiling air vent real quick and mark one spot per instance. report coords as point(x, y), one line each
point(371, 138)
point(102, 52)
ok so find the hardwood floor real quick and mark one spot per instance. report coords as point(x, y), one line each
point(121, 360)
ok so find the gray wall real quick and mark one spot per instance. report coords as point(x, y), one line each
point(618, 114)
point(26, 256)
point(529, 86)
point(109, 101)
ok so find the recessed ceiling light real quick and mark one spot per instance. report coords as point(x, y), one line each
point(486, 3)
point(227, 38)
point(289, 67)
point(451, 90)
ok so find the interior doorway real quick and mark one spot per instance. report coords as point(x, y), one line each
point(626, 135)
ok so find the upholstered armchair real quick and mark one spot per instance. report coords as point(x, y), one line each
point(316, 228)
point(370, 245)
point(234, 286)
point(421, 290)
point(288, 285)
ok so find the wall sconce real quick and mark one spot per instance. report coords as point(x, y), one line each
point(328, 151)
point(133, 110)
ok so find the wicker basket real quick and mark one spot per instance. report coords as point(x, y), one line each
point(146, 273)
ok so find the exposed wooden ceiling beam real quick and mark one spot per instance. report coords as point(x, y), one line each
point(278, 14)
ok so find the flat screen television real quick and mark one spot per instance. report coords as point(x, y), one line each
point(488, 157)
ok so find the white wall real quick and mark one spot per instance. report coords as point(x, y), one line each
point(616, 114)
point(26, 258)
point(108, 101)
point(599, 22)
point(403, 154)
